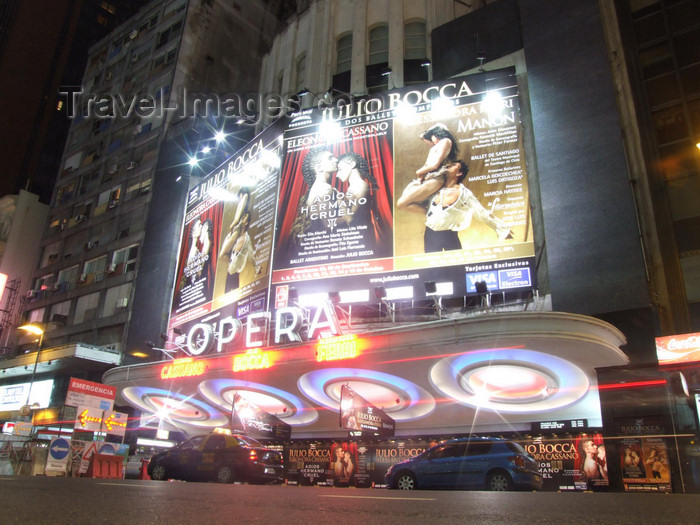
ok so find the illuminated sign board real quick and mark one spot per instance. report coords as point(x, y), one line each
point(336, 348)
point(96, 420)
point(252, 360)
point(13, 397)
point(684, 348)
point(559, 425)
point(87, 393)
point(3, 282)
point(183, 367)
point(323, 206)
point(254, 421)
point(358, 414)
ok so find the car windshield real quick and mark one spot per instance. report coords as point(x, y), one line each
point(248, 441)
point(517, 447)
point(192, 443)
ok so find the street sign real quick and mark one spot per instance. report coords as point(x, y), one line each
point(59, 454)
point(89, 418)
point(89, 394)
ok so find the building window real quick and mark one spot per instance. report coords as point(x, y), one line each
point(86, 308)
point(43, 283)
point(65, 193)
point(165, 59)
point(125, 259)
point(344, 54)
point(81, 212)
point(50, 254)
point(36, 315)
point(138, 186)
point(379, 45)
point(67, 279)
point(116, 300)
point(414, 41)
point(107, 200)
point(94, 270)
point(59, 312)
point(169, 34)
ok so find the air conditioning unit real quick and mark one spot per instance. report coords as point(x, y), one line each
point(112, 204)
point(113, 169)
point(134, 33)
point(82, 278)
point(130, 165)
point(145, 190)
point(90, 245)
point(56, 287)
point(137, 130)
point(31, 294)
point(111, 268)
point(123, 302)
point(59, 318)
point(80, 218)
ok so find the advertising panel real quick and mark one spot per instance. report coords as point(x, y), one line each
point(251, 420)
point(644, 455)
point(683, 348)
point(574, 462)
point(226, 243)
point(419, 184)
point(356, 413)
point(13, 397)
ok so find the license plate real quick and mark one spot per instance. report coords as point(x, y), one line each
point(269, 470)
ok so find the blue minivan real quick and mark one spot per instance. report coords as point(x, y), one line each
point(477, 463)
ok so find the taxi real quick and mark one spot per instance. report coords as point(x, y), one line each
point(219, 456)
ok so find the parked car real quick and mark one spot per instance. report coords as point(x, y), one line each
point(479, 463)
point(218, 456)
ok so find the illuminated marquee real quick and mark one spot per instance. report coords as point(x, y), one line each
point(252, 360)
point(336, 348)
point(184, 367)
point(204, 337)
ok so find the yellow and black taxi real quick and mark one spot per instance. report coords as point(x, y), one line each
point(219, 456)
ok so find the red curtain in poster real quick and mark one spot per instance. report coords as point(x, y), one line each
point(377, 152)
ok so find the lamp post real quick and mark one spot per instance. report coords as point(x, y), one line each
point(36, 330)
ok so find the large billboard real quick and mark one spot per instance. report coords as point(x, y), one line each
point(226, 243)
point(367, 200)
point(424, 184)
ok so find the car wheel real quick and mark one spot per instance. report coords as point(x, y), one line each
point(499, 481)
point(224, 474)
point(158, 473)
point(406, 481)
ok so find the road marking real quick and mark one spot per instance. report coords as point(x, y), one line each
point(375, 497)
point(129, 484)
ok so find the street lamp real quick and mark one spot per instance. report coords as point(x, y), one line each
point(36, 330)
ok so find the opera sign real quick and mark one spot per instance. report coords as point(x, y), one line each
point(204, 337)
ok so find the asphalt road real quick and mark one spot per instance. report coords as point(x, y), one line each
point(39, 500)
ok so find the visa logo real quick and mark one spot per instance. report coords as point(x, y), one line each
point(243, 310)
point(490, 278)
